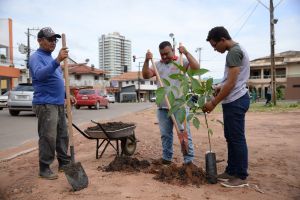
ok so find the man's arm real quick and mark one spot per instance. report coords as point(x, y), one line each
point(147, 71)
point(193, 63)
point(233, 73)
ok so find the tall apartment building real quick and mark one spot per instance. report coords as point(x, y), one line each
point(114, 54)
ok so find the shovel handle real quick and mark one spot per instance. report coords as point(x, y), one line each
point(181, 63)
point(166, 98)
point(67, 86)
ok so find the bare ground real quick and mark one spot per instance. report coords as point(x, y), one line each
point(274, 164)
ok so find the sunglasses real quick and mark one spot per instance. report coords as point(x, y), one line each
point(52, 40)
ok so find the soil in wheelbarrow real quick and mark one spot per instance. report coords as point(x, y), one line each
point(110, 126)
point(171, 174)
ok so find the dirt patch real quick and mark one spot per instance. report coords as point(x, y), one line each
point(172, 174)
point(110, 126)
point(126, 163)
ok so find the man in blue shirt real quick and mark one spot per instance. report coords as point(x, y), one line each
point(48, 102)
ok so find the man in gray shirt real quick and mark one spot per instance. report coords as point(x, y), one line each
point(235, 103)
point(165, 67)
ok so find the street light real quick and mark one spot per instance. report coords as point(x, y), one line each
point(139, 74)
point(199, 51)
point(173, 38)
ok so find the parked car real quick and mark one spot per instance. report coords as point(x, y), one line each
point(111, 98)
point(91, 98)
point(20, 99)
point(3, 100)
point(153, 99)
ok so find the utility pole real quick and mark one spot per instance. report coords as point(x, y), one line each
point(29, 50)
point(272, 57)
point(199, 52)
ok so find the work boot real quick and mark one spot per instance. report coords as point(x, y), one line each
point(224, 177)
point(235, 183)
point(161, 161)
point(47, 174)
point(62, 166)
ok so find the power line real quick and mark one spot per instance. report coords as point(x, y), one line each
point(246, 20)
point(241, 17)
point(278, 3)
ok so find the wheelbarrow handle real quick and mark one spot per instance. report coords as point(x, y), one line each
point(101, 127)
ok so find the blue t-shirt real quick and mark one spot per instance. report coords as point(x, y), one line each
point(47, 79)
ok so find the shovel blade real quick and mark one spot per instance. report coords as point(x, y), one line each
point(183, 139)
point(76, 176)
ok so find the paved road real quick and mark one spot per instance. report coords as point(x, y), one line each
point(15, 131)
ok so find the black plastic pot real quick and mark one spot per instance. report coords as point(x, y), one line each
point(211, 167)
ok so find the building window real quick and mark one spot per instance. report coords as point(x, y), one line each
point(296, 86)
point(96, 78)
point(267, 73)
point(127, 82)
point(281, 73)
point(151, 82)
point(255, 74)
point(132, 82)
point(77, 77)
point(143, 82)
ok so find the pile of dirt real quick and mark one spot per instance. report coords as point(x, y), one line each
point(110, 126)
point(182, 175)
point(172, 174)
point(126, 163)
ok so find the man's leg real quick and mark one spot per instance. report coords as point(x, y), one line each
point(166, 131)
point(47, 127)
point(62, 140)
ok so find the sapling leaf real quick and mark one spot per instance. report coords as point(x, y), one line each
point(181, 114)
point(171, 97)
point(180, 67)
point(160, 95)
point(209, 83)
point(196, 122)
point(190, 116)
point(166, 82)
point(196, 72)
point(177, 76)
point(201, 101)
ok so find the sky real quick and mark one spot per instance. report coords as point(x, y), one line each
point(148, 22)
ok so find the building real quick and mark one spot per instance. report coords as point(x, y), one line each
point(83, 76)
point(143, 88)
point(287, 66)
point(114, 54)
point(8, 73)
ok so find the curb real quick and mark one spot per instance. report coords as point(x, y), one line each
point(18, 154)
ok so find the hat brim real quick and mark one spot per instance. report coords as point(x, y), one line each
point(55, 35)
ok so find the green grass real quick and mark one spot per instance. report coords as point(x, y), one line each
point(261, 107)
point(280, 107)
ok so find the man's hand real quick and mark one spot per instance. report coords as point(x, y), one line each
point(149, 56)
point(63, 54)
point(183, 50)
point(209, 106)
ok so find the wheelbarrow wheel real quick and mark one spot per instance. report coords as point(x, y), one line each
point(128, 145)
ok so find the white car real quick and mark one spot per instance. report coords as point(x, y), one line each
point(111, 98)
point(3, 100)
point(153, 99)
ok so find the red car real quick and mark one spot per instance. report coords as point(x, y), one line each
point(91, 98)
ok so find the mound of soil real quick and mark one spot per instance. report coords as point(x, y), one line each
point(126, 163)
point(183, 175)
point(110, 126)
point(172, 174)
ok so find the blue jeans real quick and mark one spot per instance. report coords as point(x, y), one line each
point(166, 131)
point(234, 130)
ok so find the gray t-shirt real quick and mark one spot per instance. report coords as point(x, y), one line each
point(237, 57)
point(165, 70)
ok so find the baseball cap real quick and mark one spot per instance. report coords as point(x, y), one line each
point(47, 32)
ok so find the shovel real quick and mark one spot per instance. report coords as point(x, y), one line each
point(182, 135)
point(210, 160)
point(74, 172)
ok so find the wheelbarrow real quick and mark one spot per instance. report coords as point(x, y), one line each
point(125, 137)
